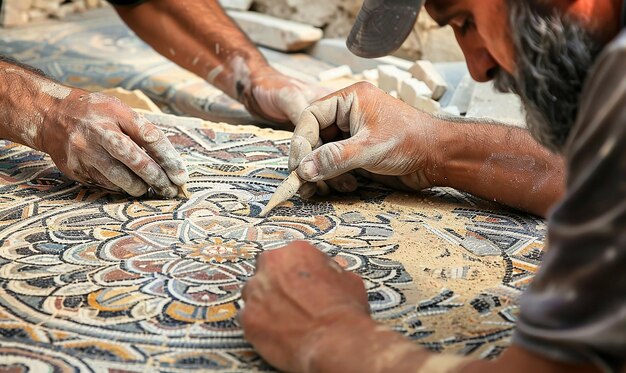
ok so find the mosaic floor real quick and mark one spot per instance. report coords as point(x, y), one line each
point(96, 282)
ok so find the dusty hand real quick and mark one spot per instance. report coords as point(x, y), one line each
point(364, 128)
point(309, 293)
point(277, 97)
point(97, 140)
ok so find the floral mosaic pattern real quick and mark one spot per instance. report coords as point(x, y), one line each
point(96, 282)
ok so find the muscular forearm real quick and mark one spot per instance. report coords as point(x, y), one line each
point(498, 163)
point(27, 99)
point(199, 36)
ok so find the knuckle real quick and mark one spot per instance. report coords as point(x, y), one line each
point(362, 86)
point(150, 133)
point(332, 156)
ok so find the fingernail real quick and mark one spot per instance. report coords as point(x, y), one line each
point(179, 177)
point(170, 192)
point(308, 170)
point(151, 135)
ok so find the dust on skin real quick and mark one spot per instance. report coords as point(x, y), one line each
point(425, 255)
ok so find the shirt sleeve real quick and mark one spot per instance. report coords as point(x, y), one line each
point(575, 310)
point(126, 2)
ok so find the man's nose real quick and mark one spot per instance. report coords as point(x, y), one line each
point(482, 65)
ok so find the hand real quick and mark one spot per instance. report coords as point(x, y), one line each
point(297, 297)
point(277, 97)
point(364, 128)
point(97, 140)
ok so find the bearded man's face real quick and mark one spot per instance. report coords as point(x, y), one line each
point(553, 56)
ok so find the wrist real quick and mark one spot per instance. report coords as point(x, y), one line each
point(449, 141)
point(435, 139)
point(334, 339)
point(359, 344)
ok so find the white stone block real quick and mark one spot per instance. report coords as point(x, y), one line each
point(236, 4)
point(335, 73)
point(425, 104)
point(336, 52)
point(426, 72)
point(452, 110)
point(411, 88)
point(36, 15)
point(390, 78)
point(12, 16)
point(286, 36)
point(371, 75)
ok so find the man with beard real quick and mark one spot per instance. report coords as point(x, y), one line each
point(97, 140)
point(567, 61)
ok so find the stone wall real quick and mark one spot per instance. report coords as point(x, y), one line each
point(19, 12)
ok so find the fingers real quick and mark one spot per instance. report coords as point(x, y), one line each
point(292, 104)
point(345, 183)
point(128, 153)
point(299, 148)
point(156, 144)
point(336, 158)
point(96, 178)
point(118, 174)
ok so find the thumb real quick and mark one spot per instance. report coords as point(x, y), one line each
point(334, 159)
point(292, 104)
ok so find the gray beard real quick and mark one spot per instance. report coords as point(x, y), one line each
point(553, 57)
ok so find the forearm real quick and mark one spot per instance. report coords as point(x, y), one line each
point(362, 345)
point(199, 36)
point(27, 99)
point(498, 163)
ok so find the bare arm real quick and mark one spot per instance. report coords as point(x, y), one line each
point(498, 163)
point(199, 36)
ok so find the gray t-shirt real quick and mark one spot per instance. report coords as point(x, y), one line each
point(575, 310)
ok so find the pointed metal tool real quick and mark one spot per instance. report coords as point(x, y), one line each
point(284, 192)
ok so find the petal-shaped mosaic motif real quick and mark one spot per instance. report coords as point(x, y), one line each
point(93, 281)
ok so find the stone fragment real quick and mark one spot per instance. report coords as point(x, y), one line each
point(236, 4)
point(79, 6)
point(371, 75)
point(390, 78)
point(425, 104)
point(411, 88)
point(286, 36)
point(488, 103)
point(13, 16)
point(63, 11)
point(47, 6)
point(426, 72)
point(36, 15)
point(463, 94)
point(452, 110)
point(335, 73)
point(334, 51)
point(92, 4)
